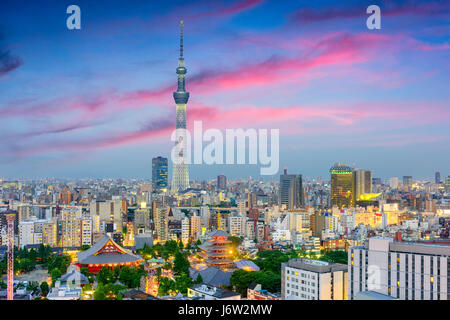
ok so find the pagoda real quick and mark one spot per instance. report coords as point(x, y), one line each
point(217, 250)
point(107, 253)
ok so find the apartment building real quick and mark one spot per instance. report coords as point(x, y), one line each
point(401, 269)
point(307, 279)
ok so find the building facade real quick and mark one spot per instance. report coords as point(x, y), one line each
point(291, 190)
point(342, 186)
point(160, 173)
point(307, 279)
point(403, 270)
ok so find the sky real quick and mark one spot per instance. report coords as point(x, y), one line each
point(97, 102)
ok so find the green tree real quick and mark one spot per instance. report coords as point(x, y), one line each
point(55, 274)
point(44, 253)
point(33, 286)
point(88, 274)
point(105, 276)
point(181, 263)
point(171, 247)
point(44, 288)
point(99, 293)
point(131, 277)
point(84, 247)
point(199, 279)
point(166, 286)
point(183, 282)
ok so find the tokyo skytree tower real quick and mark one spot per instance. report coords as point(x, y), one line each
point(180, 176)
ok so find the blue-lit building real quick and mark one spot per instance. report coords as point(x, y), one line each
point(160, 173)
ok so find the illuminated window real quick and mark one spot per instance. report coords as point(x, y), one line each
point(431, 279)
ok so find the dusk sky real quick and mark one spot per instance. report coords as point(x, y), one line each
point(97, 102)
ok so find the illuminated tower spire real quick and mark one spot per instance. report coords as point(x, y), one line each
point(180, 176)
point(10, 218)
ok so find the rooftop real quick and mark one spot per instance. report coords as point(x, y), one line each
point(214, 291)
point(316, 265)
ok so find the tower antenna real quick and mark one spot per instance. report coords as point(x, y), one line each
point(181, 38)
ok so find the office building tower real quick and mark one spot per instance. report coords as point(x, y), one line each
point(180, 174)
point(407, 181)
point(71, 224)
point(362, 183)
point(185, 230)
point(291, 190)
point(307, 279)
point(437, 177)
point(252, 200)
point(221, 182)
point(160, 215)
point(159, 173)
point(317, 223)
point(342, 186)
point(447, 184)
point(403, 270)
point(195, 226)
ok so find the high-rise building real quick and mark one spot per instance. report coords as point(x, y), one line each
point(252, 200)
point(195, 226)
point(221, 182)
point(403, 270)
point(407, 181)
point(317, 223)
point(160, 215)
point(362, 183)
point(307, 279)
point(447, 184)
point(180, 175)
point(159, 173)
point(185, 230)
point(437, 177)
point(71, 224)
point(342, 186)
point(291, 190)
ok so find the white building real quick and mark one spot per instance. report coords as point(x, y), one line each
point(26, 232)
point(307, 279)
point(403, 270)
point(86, 232)
point(236, 225)
point(185, 231)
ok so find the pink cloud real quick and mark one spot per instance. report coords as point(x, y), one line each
point(229, 11)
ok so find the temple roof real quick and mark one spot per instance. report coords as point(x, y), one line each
point(219, 233)
point(94, 255)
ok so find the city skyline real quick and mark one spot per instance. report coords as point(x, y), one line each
point(372, 99)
